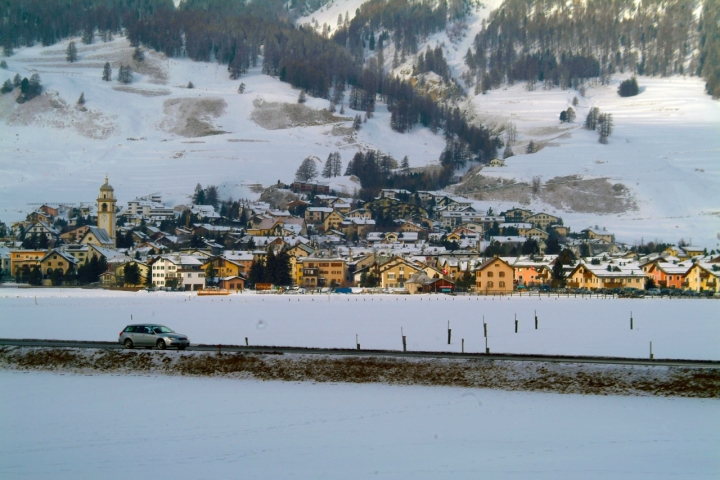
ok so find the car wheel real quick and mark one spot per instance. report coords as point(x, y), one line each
point(161, 344)
point(128, 343)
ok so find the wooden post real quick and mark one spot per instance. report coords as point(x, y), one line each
point(449, 333)
point(219, 349)
point(651, 352)
point(536, 323)
point(631, 321)
point(246, 342)
point(485, 327)
point(463, 345)
point(487, 349)
point(357, 343)
point(404, 340)
point(516, 323)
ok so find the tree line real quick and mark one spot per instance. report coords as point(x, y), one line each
point(561, 44)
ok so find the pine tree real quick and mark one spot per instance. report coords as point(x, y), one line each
point(357, 122)
point(563, 116)
point(405, 164)
point(337, 165)
point(190, 85)
point(241, 88)
point(7, 87)
point(4, 65)
point(531, 148)
point(138, 55)
point(17, 80)
point(302, 98)
point(125, 74)
point(107, 72)
point(81, 100)
point(71, 54)
point(327, 170)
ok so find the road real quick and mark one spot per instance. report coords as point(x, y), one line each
point(381, 353)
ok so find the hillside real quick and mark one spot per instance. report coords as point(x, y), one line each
point(658, 178)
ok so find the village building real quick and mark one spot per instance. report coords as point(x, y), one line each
point(494, 277)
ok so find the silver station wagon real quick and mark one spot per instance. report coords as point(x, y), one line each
point(151, 335)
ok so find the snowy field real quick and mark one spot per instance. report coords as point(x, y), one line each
point(73, 426)
point(680, 329)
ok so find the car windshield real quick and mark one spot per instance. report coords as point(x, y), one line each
point(162, 330)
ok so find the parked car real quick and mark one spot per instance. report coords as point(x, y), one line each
point(152, 335)
point(653, 291)
point(545, 288)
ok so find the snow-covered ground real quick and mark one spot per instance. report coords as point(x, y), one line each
point(687, 329)
point(664, 149)
point(73, 426)
point(51, 152)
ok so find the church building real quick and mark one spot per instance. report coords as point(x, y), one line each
point(106, 216)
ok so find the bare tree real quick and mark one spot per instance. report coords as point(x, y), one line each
point(307, 170)
point(536, 182)
point(606, 127)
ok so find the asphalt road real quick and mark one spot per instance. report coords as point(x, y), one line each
point(380, 353)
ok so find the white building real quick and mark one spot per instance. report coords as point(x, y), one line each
point(185, 269)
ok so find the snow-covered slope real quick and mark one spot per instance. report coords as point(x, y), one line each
point(663, 153)
point(143, 134)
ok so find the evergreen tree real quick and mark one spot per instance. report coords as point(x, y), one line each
point(531, 147)
point(4, 65)
point(7, 87)
point(125, 74)
point(405, 164)
point(558, 272)
point(563, 116)
point(190, 85)
point(35, 277)
point(257, 273)
point(199, 195)
point(138, 55)
point(241, 88)
point(629, 88)
point(17, 80)
point(302, 98)
point(81, 100)
point(71, 54)
point(107, 72)
point(327, 170)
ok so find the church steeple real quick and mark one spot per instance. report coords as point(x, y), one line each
point(106, 209)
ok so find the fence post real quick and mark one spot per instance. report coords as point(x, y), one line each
point(449, 333)
point(536, 322)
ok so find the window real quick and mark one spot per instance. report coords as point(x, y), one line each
point(391, 276)
point(490, 274)
point(479, 284)
point(479, 274)
point(502, 284)
point(490, 284)
point(501, 274)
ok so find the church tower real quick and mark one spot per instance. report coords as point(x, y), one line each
point(106, 209)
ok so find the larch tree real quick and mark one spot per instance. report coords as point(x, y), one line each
point(307, 170)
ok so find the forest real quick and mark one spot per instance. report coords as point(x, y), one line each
point(562, 44)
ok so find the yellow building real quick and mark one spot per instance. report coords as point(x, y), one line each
point(494, 277)
point(703, 276)
point(333, 221)
point(313, 272)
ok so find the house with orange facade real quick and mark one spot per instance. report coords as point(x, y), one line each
point(667, 274)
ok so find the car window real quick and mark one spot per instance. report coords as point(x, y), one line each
point(129, 329)
point(163, 330)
